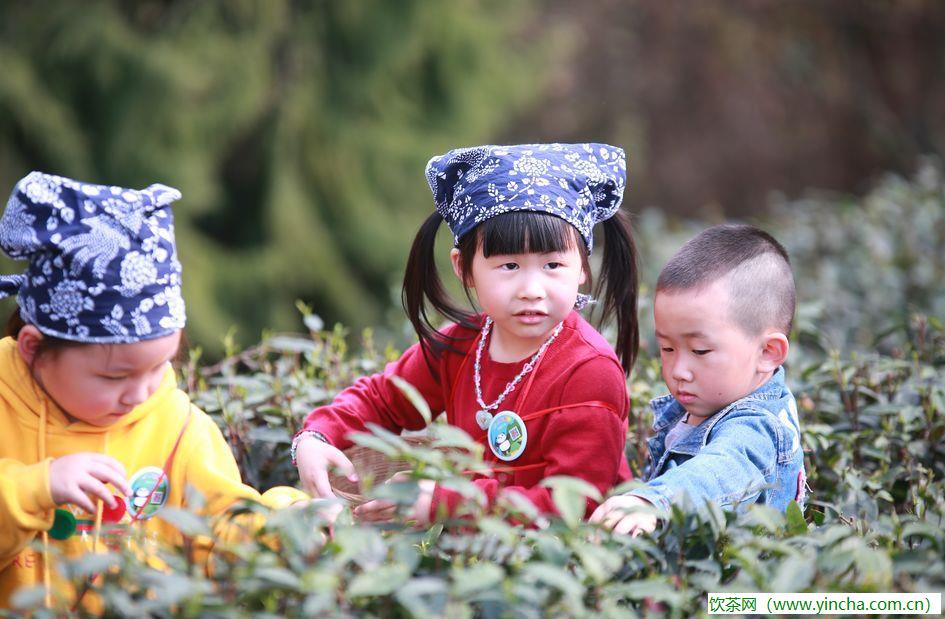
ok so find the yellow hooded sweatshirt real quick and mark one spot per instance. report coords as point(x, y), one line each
point(35, 431)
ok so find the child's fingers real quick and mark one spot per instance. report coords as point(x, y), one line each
point(376, 511)
point(80, 499)
point(318, 480)
point(612, 519)
point(92, 486)
point(110, 475)
point(625, 525)
point(343, 464)
point(599, 514)
point(112, 463)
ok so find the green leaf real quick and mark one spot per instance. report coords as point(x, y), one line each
point(186, 522)
point(795, 574)
point(313, 322)
point(279, 577)
point(423, 597)
point(554, 577)
point(413, 396)
point(570, 496)
point(796, 525)
point(376, 443)
point(383, 580)
point(28, 597)
point(479, 577)
point(450, 436)
point(599, 562)
point(92, 564)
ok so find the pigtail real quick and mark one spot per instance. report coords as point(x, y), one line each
point(618, 286)
point(422, 285)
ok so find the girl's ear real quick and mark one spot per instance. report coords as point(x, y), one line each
point(456, 260)
point(774, 352)
point(27, 343)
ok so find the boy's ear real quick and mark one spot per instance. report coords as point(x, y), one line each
point(774, 352)
point(27, 343)
point(455, 259)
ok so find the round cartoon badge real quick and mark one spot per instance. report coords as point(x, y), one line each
point(507, 436)
point(145, 484)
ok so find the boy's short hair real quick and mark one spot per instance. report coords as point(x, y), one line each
point(761, 282)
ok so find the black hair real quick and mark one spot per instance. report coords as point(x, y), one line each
point(517, 233)
point(761, 283)
point(47, 346)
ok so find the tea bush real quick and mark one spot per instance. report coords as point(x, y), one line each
point(873, 420)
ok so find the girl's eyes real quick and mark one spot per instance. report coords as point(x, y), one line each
point(666, 349)
point(511, 266)
point(114, 377)
point(701, 352)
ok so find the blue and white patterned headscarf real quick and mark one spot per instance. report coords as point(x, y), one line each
point(103, 264)
point(580, 183)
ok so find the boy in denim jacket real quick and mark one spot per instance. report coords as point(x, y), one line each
point(728, 432)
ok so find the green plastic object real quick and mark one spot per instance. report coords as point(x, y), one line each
point(63, 525)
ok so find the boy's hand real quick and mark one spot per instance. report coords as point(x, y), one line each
point(383, 511)
point(626, 514)
point(314, 457)
point(78, 477)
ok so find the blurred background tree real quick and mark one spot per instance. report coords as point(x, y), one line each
point(298, 131)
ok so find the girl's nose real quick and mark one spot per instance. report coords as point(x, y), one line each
point(135, 394)
point(532, 288)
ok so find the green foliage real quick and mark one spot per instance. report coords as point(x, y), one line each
point(873, 429)
point(297, 131)
point(868, 270)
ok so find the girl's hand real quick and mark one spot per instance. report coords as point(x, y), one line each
point(78, 477)
point(626, 514)
point(314, 457)
point(383, 511)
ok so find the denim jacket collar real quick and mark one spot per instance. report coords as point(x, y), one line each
point(667, 411)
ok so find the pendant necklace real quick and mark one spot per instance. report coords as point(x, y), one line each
point(484, 415)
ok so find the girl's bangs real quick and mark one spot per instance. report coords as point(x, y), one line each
point(525, 232)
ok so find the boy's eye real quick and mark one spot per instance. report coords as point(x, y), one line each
point(701, 352)
point(114, 377)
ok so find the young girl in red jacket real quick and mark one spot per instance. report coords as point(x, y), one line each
point(527, 377)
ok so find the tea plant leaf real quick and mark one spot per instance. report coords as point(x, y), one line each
point(186, 522)
point(383, 580)
point(796, 525)
point(478, 577)
point(570, 496)
point(411, 393)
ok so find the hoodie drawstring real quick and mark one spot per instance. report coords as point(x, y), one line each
point(99, 505)
point(41, 448)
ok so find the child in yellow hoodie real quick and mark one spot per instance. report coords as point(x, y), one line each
point(97, 438)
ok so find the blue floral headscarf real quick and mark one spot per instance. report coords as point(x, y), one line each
point(103, 264)
point(580, 183)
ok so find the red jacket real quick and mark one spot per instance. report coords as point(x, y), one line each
point(579, 441)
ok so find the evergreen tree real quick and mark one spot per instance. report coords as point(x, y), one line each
point(297, 131)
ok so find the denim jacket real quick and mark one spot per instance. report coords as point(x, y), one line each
point(748, 452)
